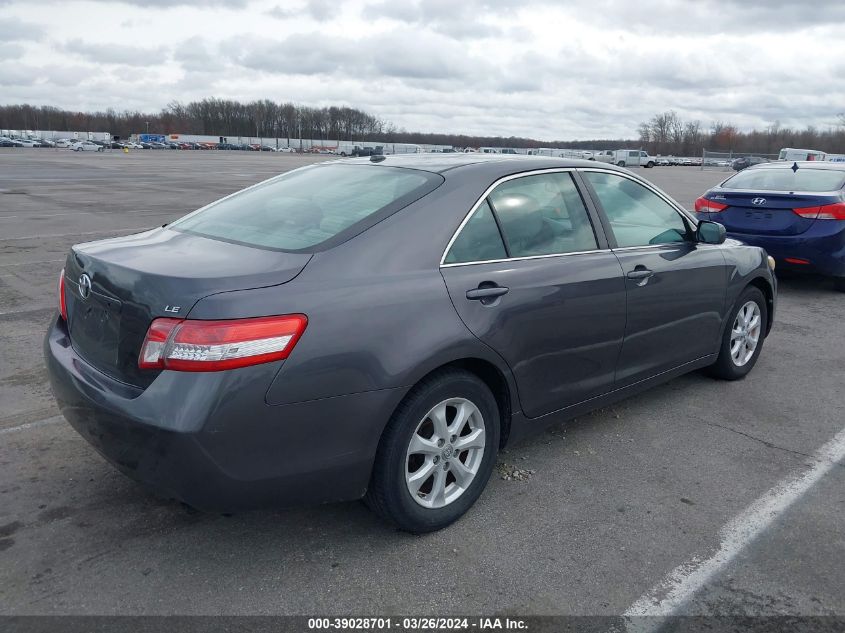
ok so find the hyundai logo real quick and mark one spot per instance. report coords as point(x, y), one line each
point(758, 201)
point(84, 286)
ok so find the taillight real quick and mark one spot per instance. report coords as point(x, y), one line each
point(703, 205)
point(192, 345)
point(835, 211)
point(62, 302)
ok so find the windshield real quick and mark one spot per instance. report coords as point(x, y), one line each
point(307, 207)
point(780, 179)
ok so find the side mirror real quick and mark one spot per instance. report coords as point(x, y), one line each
point(710, 232)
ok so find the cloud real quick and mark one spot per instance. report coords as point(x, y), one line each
point(401, 53)
point(319, 10)
point(10, 52)
point(116, 53)
point(460, 20)
point(17, 75)
point(541, 68)
point(16, 30)
point(167, 4)
point(195, 54)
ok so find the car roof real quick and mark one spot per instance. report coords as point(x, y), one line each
point(439, 163)
point(812, 164)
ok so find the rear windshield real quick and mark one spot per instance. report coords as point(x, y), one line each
point(310, 206)
point(781, 179)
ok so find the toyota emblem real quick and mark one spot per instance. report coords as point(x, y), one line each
point(84, 286)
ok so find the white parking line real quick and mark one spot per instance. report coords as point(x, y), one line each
point(32, 237)
point(40, 261)
point(31, 425)
point(56, 215)
point(677, 587)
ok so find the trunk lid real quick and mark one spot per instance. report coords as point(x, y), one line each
point(134, 279)
point(766, 213)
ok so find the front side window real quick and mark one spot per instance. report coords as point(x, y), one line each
point(306, 207)
point(542, 215)
point(638, 216)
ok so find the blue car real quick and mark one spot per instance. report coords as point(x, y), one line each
point(796, 211)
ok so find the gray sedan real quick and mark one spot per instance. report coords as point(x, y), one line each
point(382, 327)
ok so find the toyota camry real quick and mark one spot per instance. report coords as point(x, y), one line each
point(381, 327)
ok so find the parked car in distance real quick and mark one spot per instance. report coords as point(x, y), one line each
point(26, 142)
point(743, 162)
point(284, 150)
point(6, 142)
point(64, 142)
point(214, 358)
point(795, 211)
point(86, 146)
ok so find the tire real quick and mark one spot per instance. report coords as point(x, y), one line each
point(389, 494)
point(727, 366)
point(649, 165)
point(621, 163)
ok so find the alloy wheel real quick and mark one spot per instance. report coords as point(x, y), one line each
point(445, 453)
point(745, 333)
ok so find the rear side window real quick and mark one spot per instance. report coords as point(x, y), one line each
point(304, 208)
point(543, 215)
point(781, 179)
point(479, 239)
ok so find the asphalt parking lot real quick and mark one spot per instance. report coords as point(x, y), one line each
point(615, 501)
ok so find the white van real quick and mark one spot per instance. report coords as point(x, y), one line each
point(788, 153)
point(625, 158)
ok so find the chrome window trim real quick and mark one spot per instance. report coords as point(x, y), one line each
point(487, 192)
point(525, 257)
point(655, 190)
point(638, 248)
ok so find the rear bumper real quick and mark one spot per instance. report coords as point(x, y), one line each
point(211, 441)
point(823, 245)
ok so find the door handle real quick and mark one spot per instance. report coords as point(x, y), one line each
point(640, 274)
point(486, 294)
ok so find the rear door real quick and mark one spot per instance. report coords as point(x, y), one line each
point(530, 276)
point(675, 286)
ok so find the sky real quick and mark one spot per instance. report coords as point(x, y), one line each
point(581, 69)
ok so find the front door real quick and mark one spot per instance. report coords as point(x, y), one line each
point(529, 277)
point(675, 286)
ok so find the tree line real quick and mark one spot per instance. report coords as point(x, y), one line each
point(665, 133)
point(211, 116)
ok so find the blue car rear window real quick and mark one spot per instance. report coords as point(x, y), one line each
point(781, 179)
point(307, 207)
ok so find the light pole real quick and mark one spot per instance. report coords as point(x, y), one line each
point(148, 127)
